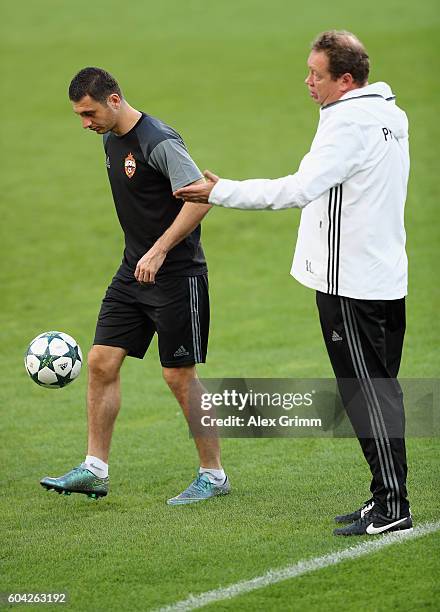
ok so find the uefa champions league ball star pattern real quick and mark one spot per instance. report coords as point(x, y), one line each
point(53, 360)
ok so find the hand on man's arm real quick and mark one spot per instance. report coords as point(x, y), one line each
point(199, 191)
point(186, 221)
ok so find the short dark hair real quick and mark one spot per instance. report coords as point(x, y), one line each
point(94, 82)
point(345, 53)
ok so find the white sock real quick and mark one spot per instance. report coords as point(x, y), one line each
point(215, 476)
point(96, 466)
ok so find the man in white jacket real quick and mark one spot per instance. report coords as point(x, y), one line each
point(351, 187)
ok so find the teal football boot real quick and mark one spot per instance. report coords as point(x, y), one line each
point(78, 480)
point(201, 488)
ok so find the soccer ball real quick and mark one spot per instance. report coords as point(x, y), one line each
point(53, 360)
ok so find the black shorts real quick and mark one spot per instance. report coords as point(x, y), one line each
point(177, 308)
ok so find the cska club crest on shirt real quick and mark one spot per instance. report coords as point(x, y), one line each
point(130, 165)
point(144, 167)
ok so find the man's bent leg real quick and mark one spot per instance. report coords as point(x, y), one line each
point(91, 477)
point(103, 397)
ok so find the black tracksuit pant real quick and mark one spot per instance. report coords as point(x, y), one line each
point(364, 340)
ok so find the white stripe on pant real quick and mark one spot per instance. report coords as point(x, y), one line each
point(195, 320)
point(376, 418)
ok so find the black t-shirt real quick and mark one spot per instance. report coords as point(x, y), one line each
point(145, 166)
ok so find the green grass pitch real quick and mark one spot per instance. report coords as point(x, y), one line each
point(229, 76)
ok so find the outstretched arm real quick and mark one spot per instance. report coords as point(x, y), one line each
point(186, 221)
point(337, 154)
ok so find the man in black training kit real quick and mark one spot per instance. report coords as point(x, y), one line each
point(161, 285)
point(351, 187)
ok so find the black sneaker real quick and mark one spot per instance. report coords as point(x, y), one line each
point(357, 514)
point(373, 523)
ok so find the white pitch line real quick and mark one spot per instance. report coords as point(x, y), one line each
point(302, 567)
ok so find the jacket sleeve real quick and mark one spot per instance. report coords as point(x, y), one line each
point(337, 152)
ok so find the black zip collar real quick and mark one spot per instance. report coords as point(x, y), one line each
point(357, 98)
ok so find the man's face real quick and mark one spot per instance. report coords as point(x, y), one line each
point(322, 88)
point(97, 116)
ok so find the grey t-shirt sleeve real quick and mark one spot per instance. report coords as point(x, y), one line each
point(171, 158)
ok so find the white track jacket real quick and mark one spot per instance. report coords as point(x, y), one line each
point(352, 189)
